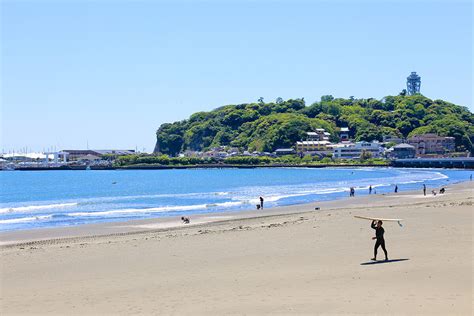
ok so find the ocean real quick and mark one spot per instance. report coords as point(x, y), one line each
point(40, 199)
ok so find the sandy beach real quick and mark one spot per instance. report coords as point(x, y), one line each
point(287, 260)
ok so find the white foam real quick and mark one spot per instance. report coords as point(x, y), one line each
point(106, 199)
point(141, 210)
point(24, 219)
point(161, 209)
point(326, 191)
point(283, 196)
point(30, 208)
point(267, 198)
point(227, 204)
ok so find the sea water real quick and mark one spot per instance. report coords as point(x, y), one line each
point(38, 199)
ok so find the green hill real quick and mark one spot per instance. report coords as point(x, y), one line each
point(267, 126)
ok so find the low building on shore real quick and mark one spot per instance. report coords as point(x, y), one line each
point(191, 154)
point(215, 154)
point(401, 151)
point(88, 158)
point(74, 154)
point(316, 141)
point(309, 145)
point(43, 158)
point(354, 151)
point(426, 144)
point(285, 151)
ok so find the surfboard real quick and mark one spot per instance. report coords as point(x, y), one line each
point(398, 220)
point(379, 219)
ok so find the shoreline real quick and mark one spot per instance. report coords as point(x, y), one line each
point(203, 166)
point(436, 164)
point(165, 224)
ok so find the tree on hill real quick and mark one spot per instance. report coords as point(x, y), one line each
point(267, 126)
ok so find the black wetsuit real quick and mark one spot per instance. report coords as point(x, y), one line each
point(379, 231)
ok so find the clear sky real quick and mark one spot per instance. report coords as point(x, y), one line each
point(108, 73)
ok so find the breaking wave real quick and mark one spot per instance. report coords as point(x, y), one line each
point(29, 208)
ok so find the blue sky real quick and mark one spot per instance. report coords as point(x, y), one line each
point(108, 73)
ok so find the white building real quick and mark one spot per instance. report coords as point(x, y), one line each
point(285, 151)
point(344, 134)
point(45, 157)
point(309, 145)
point(354, 151)
point(320, 134)
point(215, 154)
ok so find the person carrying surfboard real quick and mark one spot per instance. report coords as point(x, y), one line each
point(380, 241)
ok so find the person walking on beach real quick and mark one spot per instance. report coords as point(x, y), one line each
point(351, 192)
point(380, 241)
point(396, 188)
point(261, 203)
point(424, 189)
point(370, 189)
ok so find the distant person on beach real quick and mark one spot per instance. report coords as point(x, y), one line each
point(370, 189)
point(185, 220)
point(351, 192)
point(261, 203)
point(424, 189)
point(375, 191)
point(433, 192)
point(470, 177)
point(380, 241)
point(396, 188)
point(442, 190)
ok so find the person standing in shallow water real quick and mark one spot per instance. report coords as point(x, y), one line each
point(261, 203)
point(370, 189)
point(396, 188)
point(424, 189)
point(380, 241)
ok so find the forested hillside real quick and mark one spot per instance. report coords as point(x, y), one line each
point(266, 126)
